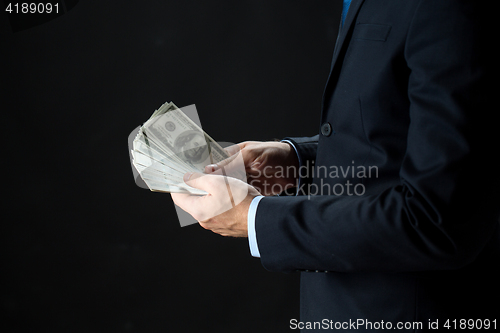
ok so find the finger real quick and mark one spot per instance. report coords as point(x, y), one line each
point(224, 192)
point(255, 165)
point(211, 168)
point(233, 152)
point(207, 183)
point(205, 224)
point(234, 149)
point(185, 201)
point(232, 167)
point(239, 147)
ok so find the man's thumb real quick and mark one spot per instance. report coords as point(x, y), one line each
point(195, 179)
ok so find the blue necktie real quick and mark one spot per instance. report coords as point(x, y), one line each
point(345, 8)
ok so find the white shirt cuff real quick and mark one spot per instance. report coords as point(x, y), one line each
point(252, 235)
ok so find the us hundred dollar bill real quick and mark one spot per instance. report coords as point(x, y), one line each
point(180, 138)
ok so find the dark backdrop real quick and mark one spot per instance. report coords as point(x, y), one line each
point(84, 248)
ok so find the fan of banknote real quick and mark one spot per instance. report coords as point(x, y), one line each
point(170, 144)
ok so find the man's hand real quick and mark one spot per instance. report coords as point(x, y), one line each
point(271, 167)
point(224, 209)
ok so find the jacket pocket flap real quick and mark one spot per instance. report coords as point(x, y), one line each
point(370, 31)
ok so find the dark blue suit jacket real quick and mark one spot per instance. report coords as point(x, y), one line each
point(409, 96)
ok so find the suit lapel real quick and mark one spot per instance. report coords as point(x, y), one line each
point(341, 40)
point(344, 31)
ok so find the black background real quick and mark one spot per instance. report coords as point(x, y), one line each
point(84, 248)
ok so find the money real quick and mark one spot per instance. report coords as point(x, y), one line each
point(168, 145)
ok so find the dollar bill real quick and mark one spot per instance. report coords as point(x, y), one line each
point(161, 180)
point(148, 164)
point(168, 106)
point(168, 145)
point(180, 138)
point(156, 154)
point(157, 186)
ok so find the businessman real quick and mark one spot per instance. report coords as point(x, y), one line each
point(416, 241)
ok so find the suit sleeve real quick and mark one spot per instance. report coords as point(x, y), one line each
point(306, 148)
point(443, 210)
